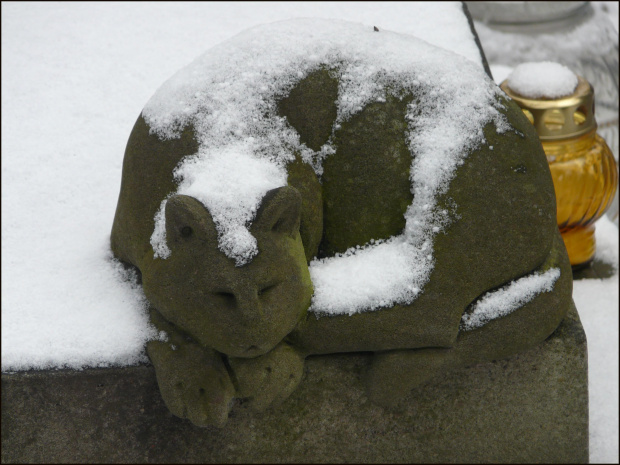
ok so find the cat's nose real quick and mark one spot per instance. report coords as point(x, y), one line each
point(248, 304)
point(246, 301)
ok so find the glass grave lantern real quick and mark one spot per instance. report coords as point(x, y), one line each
point(585, 175)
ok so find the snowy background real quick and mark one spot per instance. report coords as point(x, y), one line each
point(75, 76)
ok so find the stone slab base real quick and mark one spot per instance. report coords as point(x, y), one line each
point(530, 408)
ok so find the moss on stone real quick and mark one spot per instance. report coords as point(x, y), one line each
point(366, 183)
point(301, 176)
point(310, 107)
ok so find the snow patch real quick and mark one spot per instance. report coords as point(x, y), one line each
point(502, 302)
point(367, 278)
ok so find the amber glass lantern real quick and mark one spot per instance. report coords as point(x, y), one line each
point(585, 175)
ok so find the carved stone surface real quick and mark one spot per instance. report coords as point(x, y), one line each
point(243, 332)
point(531, 408)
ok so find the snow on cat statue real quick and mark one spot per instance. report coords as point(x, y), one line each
point(316, 187)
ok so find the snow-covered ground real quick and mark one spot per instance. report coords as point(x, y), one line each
point(75, 76)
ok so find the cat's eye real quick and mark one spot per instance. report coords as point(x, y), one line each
point(227, 298)
point(186, 231)
point(266, 289)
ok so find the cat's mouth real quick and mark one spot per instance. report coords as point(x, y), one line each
point(253, 350)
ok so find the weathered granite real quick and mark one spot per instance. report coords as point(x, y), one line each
point(531, 408)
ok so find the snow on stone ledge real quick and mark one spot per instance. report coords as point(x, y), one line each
point(545, 79)
point(504, 301)
point(230, 95)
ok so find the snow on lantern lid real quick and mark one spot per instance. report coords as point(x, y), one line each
point(557, 102)
point(542, 80)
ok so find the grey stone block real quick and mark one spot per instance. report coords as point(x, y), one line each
point(530, 408)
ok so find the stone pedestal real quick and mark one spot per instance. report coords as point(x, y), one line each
point(530, 408)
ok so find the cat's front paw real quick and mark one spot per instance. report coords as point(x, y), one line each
point(269, 379)
point(193, 382)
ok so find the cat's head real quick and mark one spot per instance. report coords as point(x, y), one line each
point(242, 311)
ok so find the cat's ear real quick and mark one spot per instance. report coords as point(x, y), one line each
point(188, 219)
point(280, 211)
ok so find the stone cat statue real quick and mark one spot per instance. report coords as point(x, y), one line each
point(244, 331)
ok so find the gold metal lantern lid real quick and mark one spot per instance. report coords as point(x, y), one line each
point(560, 118)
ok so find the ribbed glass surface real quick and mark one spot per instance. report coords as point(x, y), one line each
point(585, 178)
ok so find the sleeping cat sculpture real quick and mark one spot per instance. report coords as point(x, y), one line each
point(242, 328)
